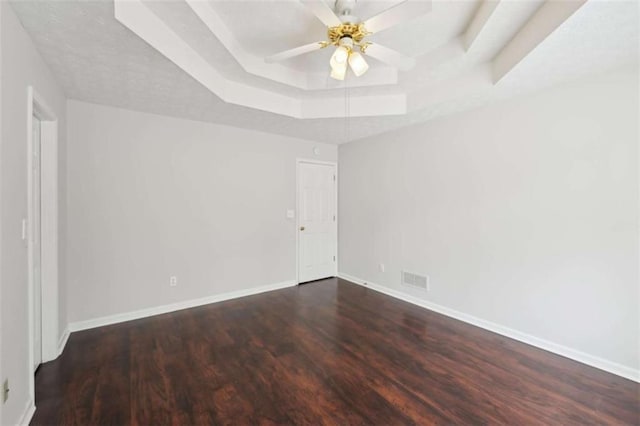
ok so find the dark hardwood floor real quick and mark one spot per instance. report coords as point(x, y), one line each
point(330, 352)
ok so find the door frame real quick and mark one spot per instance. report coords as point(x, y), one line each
point(36, 105)
point(334, 164)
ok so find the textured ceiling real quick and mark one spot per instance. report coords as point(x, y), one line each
point(96, 59)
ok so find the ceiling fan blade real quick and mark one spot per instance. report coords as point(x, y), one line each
point(404, 11)
point(389, 56)
point(323, 12)
point(300, 50)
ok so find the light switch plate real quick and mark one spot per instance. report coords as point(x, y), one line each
point(291, 214)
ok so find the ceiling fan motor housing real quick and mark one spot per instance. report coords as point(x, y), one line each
point(356, 32)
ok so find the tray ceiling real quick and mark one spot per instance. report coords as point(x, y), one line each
point(204, 59)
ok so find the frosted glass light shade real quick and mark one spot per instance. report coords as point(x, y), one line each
point(339, 71)
point(339, 57)
point(358, 65)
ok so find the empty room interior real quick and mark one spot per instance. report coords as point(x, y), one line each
point(319, 212)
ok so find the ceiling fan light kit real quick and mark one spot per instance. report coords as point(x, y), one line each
point(344, 54)
point(347, 33)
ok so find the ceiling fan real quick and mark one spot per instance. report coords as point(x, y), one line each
point(347, 33)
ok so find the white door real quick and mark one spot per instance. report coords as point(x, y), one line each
point(317, 226)
point(35, 245)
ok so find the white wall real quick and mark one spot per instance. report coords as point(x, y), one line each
point(152, 196)
point(21, 67)
point(1, 143)
point(523, 213)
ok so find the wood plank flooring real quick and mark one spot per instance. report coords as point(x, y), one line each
point(330, 352)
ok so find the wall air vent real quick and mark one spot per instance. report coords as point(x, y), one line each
point(415, 280)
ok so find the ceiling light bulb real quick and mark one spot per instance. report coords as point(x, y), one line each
point(358, 65)
point(338, 71)
point(341, 55)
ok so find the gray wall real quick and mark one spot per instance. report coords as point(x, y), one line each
point(153, 196)
point(524, 213)
point(21, 67)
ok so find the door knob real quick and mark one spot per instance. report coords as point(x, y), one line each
point(302, 228)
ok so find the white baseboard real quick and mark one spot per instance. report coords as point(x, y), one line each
point(27, 415)
point(63, 341)
point(585, 358)
point(163, 309)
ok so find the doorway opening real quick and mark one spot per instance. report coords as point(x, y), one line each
point(42, 233)
point(35, 242)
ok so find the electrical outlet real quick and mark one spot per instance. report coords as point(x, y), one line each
point(5, 391)
point(381, 267)
point(173, 281)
